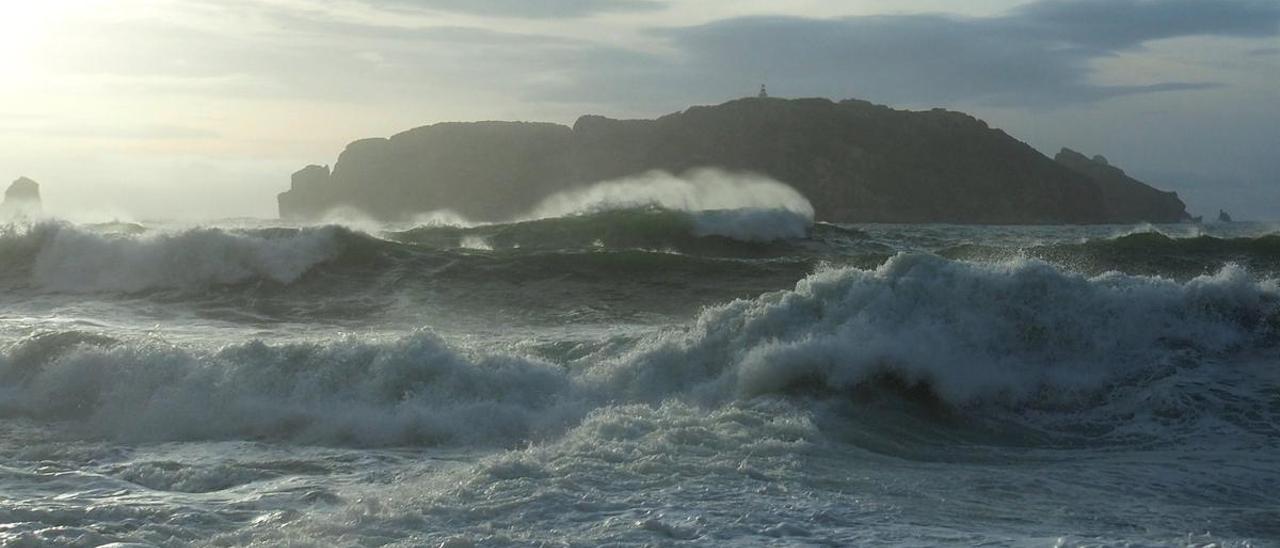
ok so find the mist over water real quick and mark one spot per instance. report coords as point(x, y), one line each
point(652, 360)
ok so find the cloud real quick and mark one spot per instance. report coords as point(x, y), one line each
point(1042, 53)
point(301, 54)
point(534, 9)
point(1116, 24)
point(54, 127)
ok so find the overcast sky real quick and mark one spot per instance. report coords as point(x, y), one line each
point(174, 108)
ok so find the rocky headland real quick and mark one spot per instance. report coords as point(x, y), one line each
point(854, 160)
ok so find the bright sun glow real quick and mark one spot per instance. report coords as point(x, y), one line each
point(26, 26)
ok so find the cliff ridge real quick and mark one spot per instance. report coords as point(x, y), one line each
point(854, 160)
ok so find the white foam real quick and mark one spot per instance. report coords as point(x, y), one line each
point(974, 332)
point(478, 243)
point(1005, 334)
point(76, 260)
point(443, 217)
point(412, 390)
point(737, 205)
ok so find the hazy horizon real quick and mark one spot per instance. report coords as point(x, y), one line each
point(201, 108)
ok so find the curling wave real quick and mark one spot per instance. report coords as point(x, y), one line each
point(970, 337)
point(61, 257)
point(730, 232)
point(1015, 332)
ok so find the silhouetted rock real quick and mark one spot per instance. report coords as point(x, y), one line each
point(309, 191)
point(1127, 200)
point(22, 198)
point(856, 161)
point(1224, 217)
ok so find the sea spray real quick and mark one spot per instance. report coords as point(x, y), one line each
point(72, 259)
point(411, 390)
point(599, 384)
point(742, 206)
point(1019, 334)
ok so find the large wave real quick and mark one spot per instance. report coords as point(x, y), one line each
point(1012, 332)
point(412, 390)
point(704, 212)
point(287, 271)
point(965, 336)
point(62, 257)
point(741, 206)
point(737, 232)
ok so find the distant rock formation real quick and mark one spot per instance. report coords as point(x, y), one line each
point(310, 183)
point(1125, 199)
point(855, 161)
point(1224, 217)
point(22, 199)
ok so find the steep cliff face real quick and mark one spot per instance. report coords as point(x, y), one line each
point(1127, 200)
point(857, 162)
point(485, 170)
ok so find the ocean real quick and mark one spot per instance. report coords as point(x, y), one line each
point(640, 375)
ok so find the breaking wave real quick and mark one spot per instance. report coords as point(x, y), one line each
point(697, 190)
point(61, 257)
point(714, 232)
point(1014, 332)
point(968, 337)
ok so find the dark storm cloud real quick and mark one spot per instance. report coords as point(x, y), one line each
point(1042, 53)
point(1038, 54)
point(536, 9)
point(1114, 24)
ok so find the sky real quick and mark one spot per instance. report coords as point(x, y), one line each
point(143, 109)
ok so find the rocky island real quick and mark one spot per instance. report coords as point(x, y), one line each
point(854, 160)
point(21, 199)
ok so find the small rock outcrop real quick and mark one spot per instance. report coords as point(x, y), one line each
point(854, 160)
point(1224, 217)
point(22, 199)
point(308, 191)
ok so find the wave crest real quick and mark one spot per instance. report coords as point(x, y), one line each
point(413, 390)
point(61, 257)
point(1015, 332)
point(741, 206)
point(964, 336)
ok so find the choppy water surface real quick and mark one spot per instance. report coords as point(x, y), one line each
point(639, 376)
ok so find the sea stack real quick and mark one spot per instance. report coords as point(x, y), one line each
point(22, 199)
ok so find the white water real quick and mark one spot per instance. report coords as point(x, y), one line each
point(1064, 409)
point(71, 259)
point(741, 206)
point(1016, 333)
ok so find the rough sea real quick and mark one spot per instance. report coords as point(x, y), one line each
point(639, 372)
